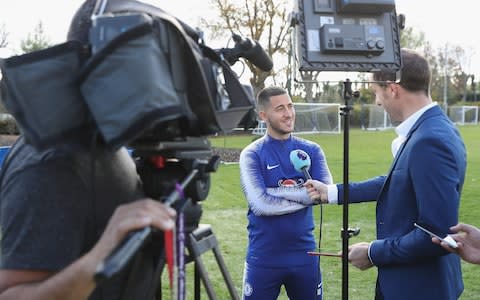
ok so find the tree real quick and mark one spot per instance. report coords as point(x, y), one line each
point(3, 36)
point(35, 42)
point(452, 64)
point(448, 63)
point(309, 82)
point(411, 39)
point(462, 57)
point(265, 21)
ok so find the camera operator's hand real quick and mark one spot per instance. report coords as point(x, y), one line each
point(317, 190)
point(76, 281)
point(129, 217)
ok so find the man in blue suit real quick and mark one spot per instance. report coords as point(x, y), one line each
point(422, 186)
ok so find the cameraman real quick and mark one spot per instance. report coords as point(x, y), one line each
point(64, 209)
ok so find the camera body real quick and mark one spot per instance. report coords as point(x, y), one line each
point(144, 80)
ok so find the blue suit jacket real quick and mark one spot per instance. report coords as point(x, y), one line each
point(422, 186)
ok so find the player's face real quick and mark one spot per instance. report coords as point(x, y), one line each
point(280, 116)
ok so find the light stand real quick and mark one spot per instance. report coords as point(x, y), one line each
point(346, 232)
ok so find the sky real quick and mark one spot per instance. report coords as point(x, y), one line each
point(441, 21)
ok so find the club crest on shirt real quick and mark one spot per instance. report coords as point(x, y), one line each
point(247, 289)
point(290, 182)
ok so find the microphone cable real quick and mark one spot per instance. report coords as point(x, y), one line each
point(301, 163)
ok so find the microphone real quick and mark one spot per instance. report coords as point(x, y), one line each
point(255, 54)
point(252, 51)
point(301, 162)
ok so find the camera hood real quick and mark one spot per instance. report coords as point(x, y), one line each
point(150, 76)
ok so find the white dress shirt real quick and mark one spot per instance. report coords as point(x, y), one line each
point(402, 132)
point(403, 129)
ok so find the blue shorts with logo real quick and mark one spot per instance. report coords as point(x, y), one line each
point(300, 282)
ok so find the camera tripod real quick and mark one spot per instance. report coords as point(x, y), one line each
point(161, 166)
point(200, 241)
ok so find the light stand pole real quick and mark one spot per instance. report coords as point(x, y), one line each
point(346, 232)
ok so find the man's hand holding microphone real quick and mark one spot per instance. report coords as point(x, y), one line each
point(317, 190)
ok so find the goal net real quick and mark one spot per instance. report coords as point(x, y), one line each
point(312, 118)
point(317, 117)
point(462, 115)
point(375, 117)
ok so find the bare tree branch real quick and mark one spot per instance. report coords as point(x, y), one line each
point(263, 20)
point(3, 36)
point(36, 41)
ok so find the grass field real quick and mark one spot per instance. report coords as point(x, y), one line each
point(225, 209)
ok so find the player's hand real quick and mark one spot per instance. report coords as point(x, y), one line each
point(317, 190)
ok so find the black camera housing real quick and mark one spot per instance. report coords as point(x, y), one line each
point(143, 75)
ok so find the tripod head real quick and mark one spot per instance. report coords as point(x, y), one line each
point(122, 255)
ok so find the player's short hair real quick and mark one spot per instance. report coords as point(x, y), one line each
point(263, 97)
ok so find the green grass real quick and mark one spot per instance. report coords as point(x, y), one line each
point(225, 209)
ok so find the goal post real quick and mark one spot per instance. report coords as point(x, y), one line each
point(377, 118)
point(463, 114)
point(317, 117)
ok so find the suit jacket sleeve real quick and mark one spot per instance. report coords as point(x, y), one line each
point(363, 191)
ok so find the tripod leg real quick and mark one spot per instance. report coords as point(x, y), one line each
point(225, 273)
point(199, 241)
point(204, 276)
point(196, 283)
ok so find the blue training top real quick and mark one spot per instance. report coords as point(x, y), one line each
point(280, 221)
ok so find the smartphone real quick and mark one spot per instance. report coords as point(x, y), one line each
point(448, 239)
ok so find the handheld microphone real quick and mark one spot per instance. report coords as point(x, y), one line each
point(301, 162)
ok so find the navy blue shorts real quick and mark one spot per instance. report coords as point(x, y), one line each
point(264, 283)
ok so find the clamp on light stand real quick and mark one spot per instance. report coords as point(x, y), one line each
point(350, 232)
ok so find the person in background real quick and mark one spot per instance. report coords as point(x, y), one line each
point(423, 186)
point(280, 222)
point(468, 240)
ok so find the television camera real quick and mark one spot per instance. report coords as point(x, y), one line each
point(145, 80)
